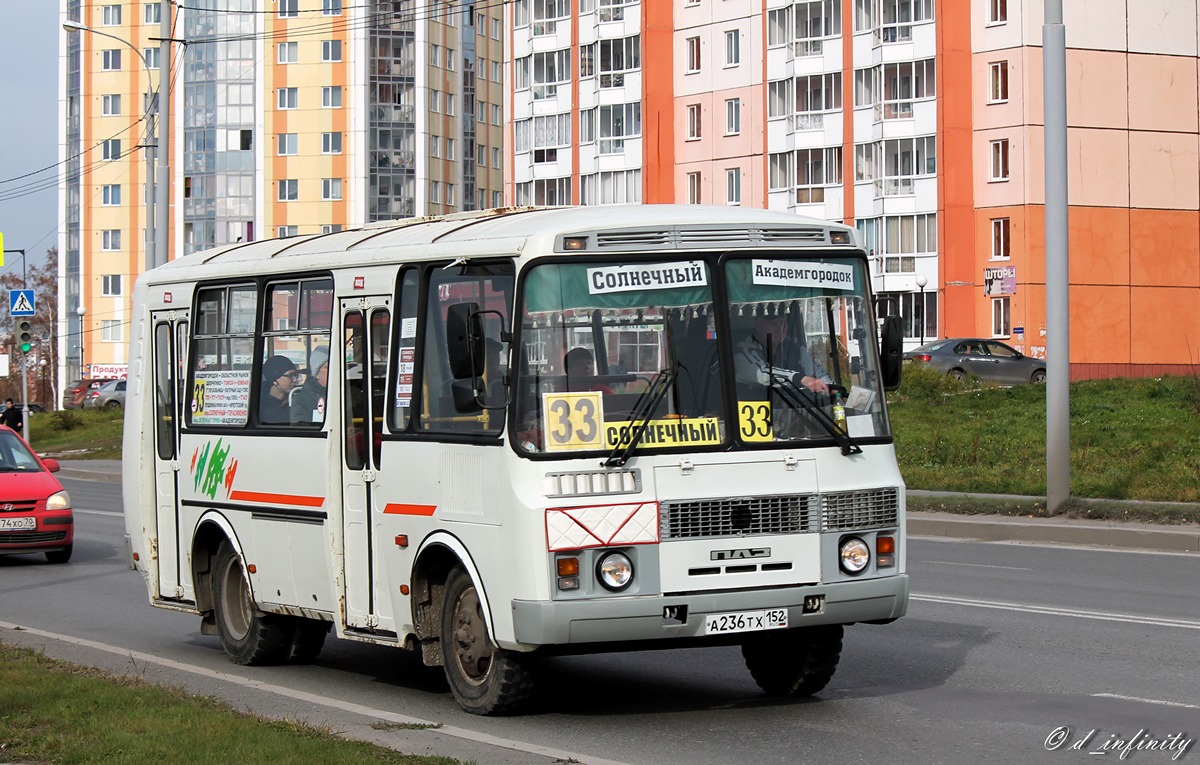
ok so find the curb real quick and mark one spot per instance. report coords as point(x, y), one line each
point(1183, 539)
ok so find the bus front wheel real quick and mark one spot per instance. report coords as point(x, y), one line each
point(485, 679)
point(794, 662)
point(248, 635)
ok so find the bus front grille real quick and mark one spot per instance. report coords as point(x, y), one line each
point(870, 509)
point(739, 516)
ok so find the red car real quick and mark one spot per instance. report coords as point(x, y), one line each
point(35, 511)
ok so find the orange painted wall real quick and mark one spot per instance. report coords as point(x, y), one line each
point(960, 281)
point(658, 103)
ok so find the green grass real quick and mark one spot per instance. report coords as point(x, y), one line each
point(78, 433)
point(1130, 439)
point(52, 711)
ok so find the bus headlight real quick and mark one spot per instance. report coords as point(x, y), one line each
point(615, 571)
point(854, 555)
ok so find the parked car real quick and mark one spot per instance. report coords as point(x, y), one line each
point(75, 392)
point(989, 360)
point(35, 511)
point(111, 394)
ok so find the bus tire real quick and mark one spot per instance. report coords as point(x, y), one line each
point(485, 680)
point(248, 635)
point(308, 638)
point(794, 662)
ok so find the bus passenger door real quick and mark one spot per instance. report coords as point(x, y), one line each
point(365, 323)
point(170, 362)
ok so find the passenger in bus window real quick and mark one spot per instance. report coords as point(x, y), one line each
point(580, 369)
point(279, 375)
point(308, 403)
point(788, 357)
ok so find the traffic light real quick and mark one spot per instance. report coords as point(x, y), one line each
point(24, 335)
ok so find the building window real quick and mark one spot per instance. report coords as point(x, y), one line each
point(779, 173)
point(693, 54)
point(152, 13)
point(779, 27)
point(611, 188)
point(733, 186)
point(331, 189)
point(816, 20)
point(284, 232)
point(450, 195)
point(111, 195)
point(331, 50)
point(587, 126)
point(733, 116)
point(998, 79)
point(110, 16)
point(435, 192)
point(330, 228)
point(733, 52)
point(288, 190)
point(816, 169)
point(550, 69)
point(287, 52)
point(111, 61)
point(435, 100)
point(905, 82)
point(289, 9)
point(110, 239)
point(497, 199)
point(331, 7)
point(904, 238)
point(152, 56)
point(497, 115)
point(288, 144)
point(435, 55)
point(110, 106)
point(1000, 228)
point(693, 122)
point(997, 11)
point(331, 143)
point(618, 58)
point(435, 146)
point(110, 285)
point(617, 123)
point(906, 159)
point(331, 97)
point(1001, 323)
point(111, 331)
point(497, 160)
point(864, 15)
point(693, 188)
point(867, 87)
point(497, 71)
point(780, 101)
point(287, 98)
point(898, 17)
point(111, 149)
point(450, 148)
point(999, 163)
point(815, 95)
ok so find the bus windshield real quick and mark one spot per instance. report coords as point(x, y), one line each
point(637, 352)
point(596, 337)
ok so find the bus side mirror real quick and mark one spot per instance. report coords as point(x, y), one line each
point(891, 345)
point(464, 340)
point(467, 395)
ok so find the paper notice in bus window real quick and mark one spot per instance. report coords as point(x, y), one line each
point(221, 398)
point(408, 327)
point(785, 273)
point(646, 276)
point(404, 377)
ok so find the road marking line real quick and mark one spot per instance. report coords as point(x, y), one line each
point(1147, 701)
point(312, 698)
point(97, 512)
point(978, 565)
point(1051, 611)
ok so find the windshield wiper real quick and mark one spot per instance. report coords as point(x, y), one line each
point(643, 410)
point(799, 397)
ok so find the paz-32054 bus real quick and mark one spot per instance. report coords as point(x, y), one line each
point(502, 435)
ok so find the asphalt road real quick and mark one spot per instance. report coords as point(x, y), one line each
point(1010, 653)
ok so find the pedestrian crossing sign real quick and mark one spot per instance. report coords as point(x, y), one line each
point(21, 303)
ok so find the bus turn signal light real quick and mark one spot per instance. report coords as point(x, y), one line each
point(885, 552)
point(568, 566)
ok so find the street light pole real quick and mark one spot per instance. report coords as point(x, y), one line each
point(921, 282)
point(154, 218)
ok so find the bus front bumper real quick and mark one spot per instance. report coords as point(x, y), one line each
point(656, 617)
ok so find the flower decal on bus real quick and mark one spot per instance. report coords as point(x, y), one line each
point(210, 471)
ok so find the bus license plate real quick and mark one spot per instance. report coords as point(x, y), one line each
point(745, 621)
point(28, 523)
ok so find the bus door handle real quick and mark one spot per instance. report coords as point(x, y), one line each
point(368, 476)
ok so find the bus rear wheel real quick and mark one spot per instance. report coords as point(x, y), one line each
point(248, 635)
point(794, 662)
point(485, 679)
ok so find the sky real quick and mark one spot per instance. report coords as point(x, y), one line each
point(30, 40)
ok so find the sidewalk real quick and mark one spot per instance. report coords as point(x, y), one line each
point(1184, 538)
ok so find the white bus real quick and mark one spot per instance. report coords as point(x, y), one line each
point(521, 433)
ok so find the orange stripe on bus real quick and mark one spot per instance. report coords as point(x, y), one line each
point(397, 509)
point(277, 499)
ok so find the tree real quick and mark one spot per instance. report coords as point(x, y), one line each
point(43, 280)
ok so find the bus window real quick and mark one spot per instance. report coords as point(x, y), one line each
point(406, 350)
point(223, 354)
point(297, 325)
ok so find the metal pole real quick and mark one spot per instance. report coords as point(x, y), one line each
point(1058, 335)
point(162, 185)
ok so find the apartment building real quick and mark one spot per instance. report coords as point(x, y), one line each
point(919, 122)
point(288, 117)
